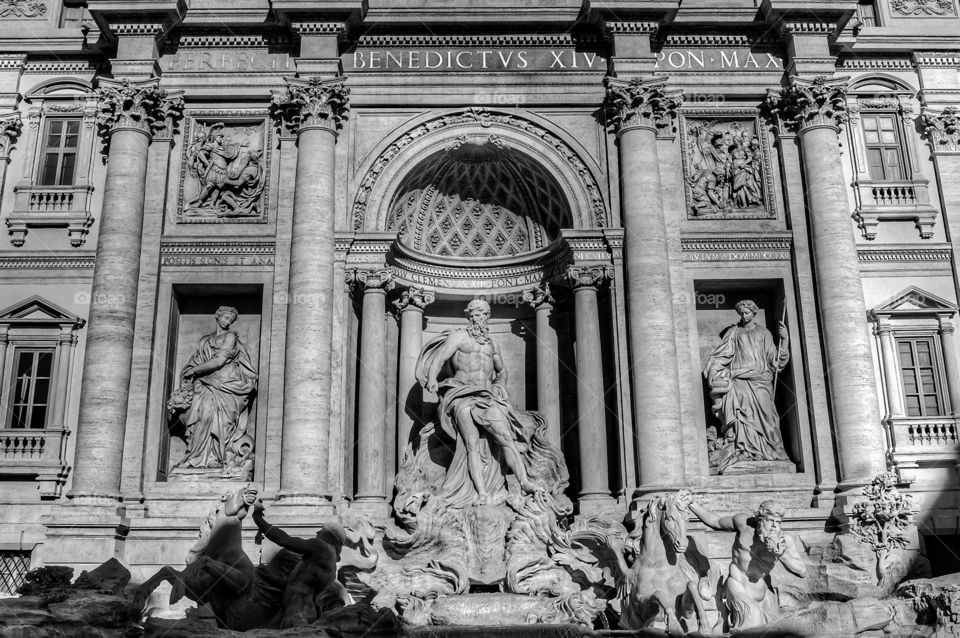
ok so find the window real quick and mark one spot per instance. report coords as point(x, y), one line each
point(59, 155)
point(922, 391)
point(30, 395)
point(867, 13)
point(14, 566)
point(884, 154)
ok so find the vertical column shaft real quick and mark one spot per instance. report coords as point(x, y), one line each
point(307, 363)
point(371, 403)
point(409, 394)
point(949, 347)
point(548, 373)
point(853, 390)
point(113, 303)
point(888, 353)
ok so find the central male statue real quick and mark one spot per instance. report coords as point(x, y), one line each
point(474, 408)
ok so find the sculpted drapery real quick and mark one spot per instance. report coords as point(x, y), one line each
point(223, 382)
point(740, 373)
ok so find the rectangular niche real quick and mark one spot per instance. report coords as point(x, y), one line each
point(230, 392)
point(726, 165)
point(224, 168)
point(738, 411)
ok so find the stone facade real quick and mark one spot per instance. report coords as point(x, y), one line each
point(611, 177)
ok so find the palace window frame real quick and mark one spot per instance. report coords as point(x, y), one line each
point(885, 197)
point(916, 441)
point(60, 152)
point(27, 451)
point(65, 203)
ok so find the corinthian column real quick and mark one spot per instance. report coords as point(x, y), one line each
point(548, 362)
point(816, 109)
point(371, 398)
point(129, 114)
point(10, 127)
point(591, 406)
point(637, 109)
point(314, 110)
point(410, 305)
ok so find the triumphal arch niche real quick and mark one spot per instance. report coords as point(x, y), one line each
point(479, 203)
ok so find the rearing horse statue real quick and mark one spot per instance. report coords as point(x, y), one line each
point(660, 586)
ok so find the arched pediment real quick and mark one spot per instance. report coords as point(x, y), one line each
point(880, 83)
point(388, 169)
point(60, 88)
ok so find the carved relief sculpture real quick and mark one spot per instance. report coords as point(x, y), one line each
point(226, 172)
point(22, 9)
point(213, 402)
point(740, 374)
point(724, 169)
point(760, 544)
point(943, 128)
point(920, 8)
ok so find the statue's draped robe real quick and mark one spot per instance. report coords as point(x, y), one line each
point(217, 419)
point(543, 462)
point(747, 407)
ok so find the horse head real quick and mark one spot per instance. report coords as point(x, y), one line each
point(673, 523)
point(237, 503)
point(220, 531)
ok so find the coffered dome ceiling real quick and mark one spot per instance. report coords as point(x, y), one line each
point(478, 201)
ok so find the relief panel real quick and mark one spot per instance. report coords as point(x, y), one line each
point(225, 172)
point(726, 166)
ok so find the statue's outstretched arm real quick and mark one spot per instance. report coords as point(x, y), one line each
point(278, 536)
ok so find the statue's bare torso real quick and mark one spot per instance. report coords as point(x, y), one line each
point(473, 362)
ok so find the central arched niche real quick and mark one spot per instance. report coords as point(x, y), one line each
point(478, 200)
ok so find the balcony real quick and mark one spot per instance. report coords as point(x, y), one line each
point(915, 442)
point(888, 201)
point(37, 454)
point(51, 206)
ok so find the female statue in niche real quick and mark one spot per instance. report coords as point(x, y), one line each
point(213, 399)
point(740, 373)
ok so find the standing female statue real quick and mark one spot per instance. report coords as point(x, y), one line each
point(216, 387)
point(740, 373)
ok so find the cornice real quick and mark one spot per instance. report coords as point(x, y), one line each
point(936, 59)
point(875, 64)
point(12, 60)
point(47, 262)
point(202, 247)
point(49, 67)
point(211, 41)
point(894, 253)
point(719, 40)
point(535, 40)
point(773, 247)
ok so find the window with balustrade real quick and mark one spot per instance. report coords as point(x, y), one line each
point(57, 145)
point(916, 342)
point(37, 347)
point(888, 179)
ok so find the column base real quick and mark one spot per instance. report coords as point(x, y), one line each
point(597, 504)
point(370, 507)
point(84, 536)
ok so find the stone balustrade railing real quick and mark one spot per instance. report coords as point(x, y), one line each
point(19, 446)
point(894, 194)
point(46, 206)
point(915, 442)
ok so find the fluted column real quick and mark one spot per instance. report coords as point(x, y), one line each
point(637, 109)
point(371, 399)
point(410, 305)
point(591, 406)
point(129, 114)
point(314, 110)
point(888, 354)
point(816, 109)
point(548, 361)
point(949, 347)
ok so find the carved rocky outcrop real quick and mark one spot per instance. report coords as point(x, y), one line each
point(311, 103)
point(640, 102)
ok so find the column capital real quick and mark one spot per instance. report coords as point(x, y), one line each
point(136, 104)
point(640, 102)
point(414, 298)
point(371, 280)
point(538, 296)
point(10, 127)
point(313, 103)
point(942, 129)
point(588, 276)
point(805, 104)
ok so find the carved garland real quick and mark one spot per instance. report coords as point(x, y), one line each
point(924, 7)
point(22, 9)
point(476, 114)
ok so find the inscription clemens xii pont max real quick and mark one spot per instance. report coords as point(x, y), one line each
point(464, 60)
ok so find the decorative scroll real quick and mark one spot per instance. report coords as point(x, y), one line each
point(140, 105)
point(806, 103)
point(308, 103)
point(943, 128)
point(640, 102)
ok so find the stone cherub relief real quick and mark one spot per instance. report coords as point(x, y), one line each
point(492, 511)
point(740, 373)
point(226, 164)
point(301, 582)
point(725, 170)
point(212, 402)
